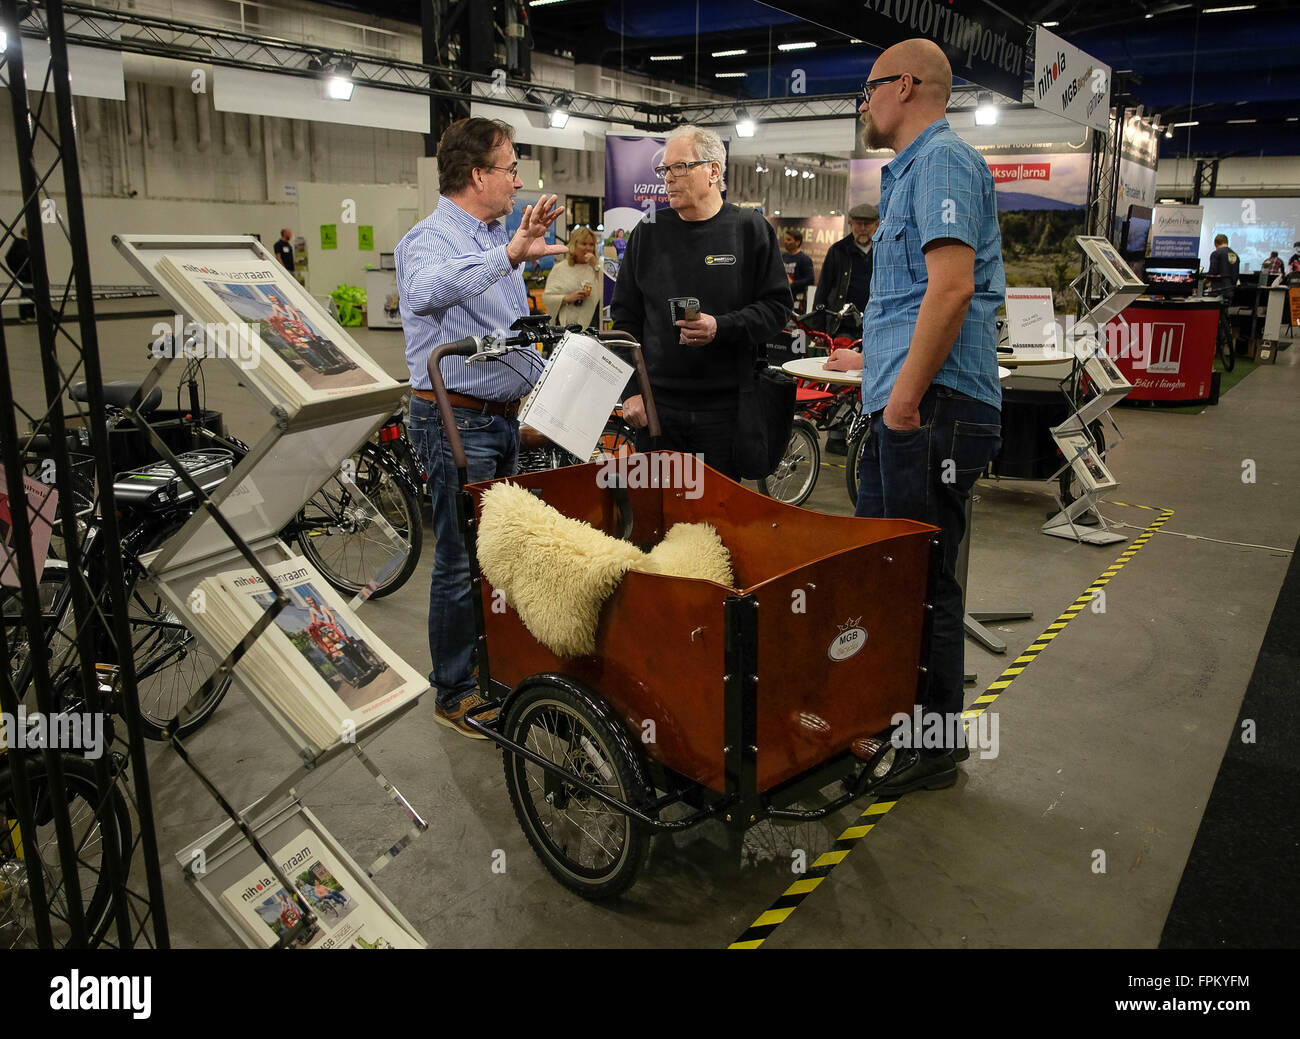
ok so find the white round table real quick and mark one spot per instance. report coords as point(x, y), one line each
point(812, 368)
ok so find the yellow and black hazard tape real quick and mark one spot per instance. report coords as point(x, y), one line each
point(792, 897)
point(757, 932)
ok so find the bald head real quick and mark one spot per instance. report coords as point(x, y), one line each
point(917, 83)
point(926, 61)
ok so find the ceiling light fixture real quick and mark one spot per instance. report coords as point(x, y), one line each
point(730, 75)
point(803, 45)
point(667, 57)
point(1195, 122)
point(986, 112)
point(1225, 10)
point(1241, 122)
point(744, 124)
point(1050, 25)
point(334, 78)
point(730, 54)
point(559, 113)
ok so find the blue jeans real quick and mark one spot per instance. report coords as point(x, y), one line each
point(926, 474)
point(491, 450)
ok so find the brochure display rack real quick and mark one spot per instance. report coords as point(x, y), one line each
point(260, 907)
point(1095, 386)
point(318, 673)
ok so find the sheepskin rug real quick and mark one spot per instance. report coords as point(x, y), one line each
point(557, 572)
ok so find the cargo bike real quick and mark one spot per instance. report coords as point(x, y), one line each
point(700, 701)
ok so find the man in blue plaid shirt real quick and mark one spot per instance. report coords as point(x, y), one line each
point(930, 372)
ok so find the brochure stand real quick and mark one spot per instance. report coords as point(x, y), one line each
point(237, 525)
point(1106, 385)
point(222, 858)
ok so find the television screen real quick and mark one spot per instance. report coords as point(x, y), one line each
point(1254, 227)
point(1137, 231)
point(1171, 278)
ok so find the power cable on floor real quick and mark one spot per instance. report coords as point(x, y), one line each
point(1191, 537)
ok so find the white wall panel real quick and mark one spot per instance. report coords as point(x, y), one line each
point(298, 97)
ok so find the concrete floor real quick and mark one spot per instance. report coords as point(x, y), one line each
point(1110, 740)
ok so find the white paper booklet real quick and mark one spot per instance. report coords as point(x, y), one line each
point(349, 918)
point(264, 321)
point(324, 670)
point(1031, 318)
point(577, 391)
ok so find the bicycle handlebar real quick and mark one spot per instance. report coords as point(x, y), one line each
point(473, 347)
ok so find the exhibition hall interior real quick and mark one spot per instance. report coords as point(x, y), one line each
point(528, 474)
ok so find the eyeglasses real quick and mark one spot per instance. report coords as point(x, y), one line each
point(512, 169)
point(871, 84)
point(679, 169)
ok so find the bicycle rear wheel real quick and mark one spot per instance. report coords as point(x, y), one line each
point(90, 816)
point(339, 535)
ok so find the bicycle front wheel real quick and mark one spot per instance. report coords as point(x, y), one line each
point(341, 538)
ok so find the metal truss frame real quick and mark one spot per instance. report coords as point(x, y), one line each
point(53, 869)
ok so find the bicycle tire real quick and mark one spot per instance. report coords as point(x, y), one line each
point(852, 460)
point(170, 664)
point(340, 543)
point(796, 474)
point(1227, 346)
point(601, 752)
point(85, 807)
point(1068, 482)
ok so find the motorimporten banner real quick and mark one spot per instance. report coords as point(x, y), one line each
point(985, 46)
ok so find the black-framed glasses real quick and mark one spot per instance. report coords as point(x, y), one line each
point(679, 169)
point(512, 169)
point(871, 84)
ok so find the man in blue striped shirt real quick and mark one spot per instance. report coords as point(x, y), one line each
point(458, 273)
point(929, 363)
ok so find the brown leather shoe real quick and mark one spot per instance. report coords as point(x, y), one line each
point(455, 718)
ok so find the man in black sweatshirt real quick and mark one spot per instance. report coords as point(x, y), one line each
point(706, 254)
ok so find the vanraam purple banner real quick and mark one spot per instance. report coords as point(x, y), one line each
point(631, 191)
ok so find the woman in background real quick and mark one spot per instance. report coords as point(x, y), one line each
point(571, 295)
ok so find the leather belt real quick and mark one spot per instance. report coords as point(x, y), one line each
point(506, 408)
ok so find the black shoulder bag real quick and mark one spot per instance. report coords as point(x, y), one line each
point(765, 413)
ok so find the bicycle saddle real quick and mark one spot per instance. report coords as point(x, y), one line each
point(118, 395)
